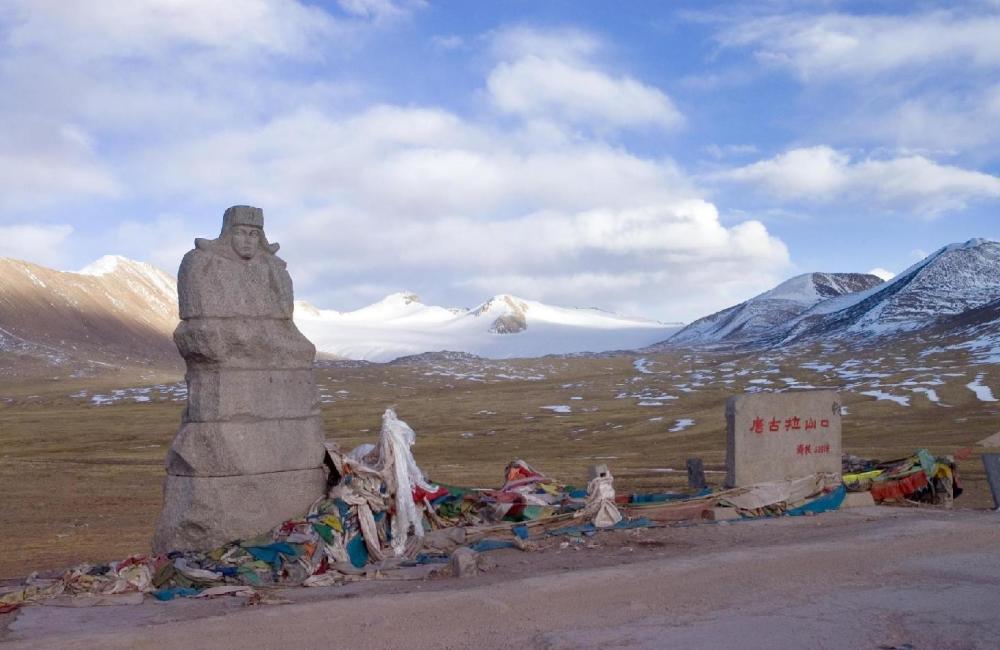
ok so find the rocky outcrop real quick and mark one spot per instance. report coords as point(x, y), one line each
point(249, 453)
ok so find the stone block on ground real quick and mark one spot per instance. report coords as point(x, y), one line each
point(990, 441)
point(444, 539)
point(236, 447)
point(201, 513)
point(779, 436)
point(696, 474)
point(464, 563)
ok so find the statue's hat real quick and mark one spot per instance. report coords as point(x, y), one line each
point(242, 215)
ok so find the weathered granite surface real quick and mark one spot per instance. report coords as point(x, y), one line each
point(228, 394)
point(235, 448)
point(777, 436)
point(206, 512)
point(249, 453)
point(250, 343)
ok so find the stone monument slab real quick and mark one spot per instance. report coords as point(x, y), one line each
point(249, 453)
point(777, 436)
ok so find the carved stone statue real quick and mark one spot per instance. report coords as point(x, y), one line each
point(249, 453)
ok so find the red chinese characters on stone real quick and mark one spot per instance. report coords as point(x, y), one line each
point(792, 423)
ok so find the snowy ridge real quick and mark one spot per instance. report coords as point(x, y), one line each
point(952, 280)
point(953, 293)
point(762, 314)
point(117, 308)
point(504, 326)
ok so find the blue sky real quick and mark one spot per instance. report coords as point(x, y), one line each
point(659, 159)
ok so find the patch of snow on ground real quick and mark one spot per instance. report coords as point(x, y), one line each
point(558, 408)
point(929, 392)
point(681, 424)
point(817, 366)
point(34, 278)
point(642, 365)
point(143, 395)
point(879, 395)
point(646, 395)
point(984, 393)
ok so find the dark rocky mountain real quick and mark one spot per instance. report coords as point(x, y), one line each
point(952, 294)
point(949, 282)
point(762, 315)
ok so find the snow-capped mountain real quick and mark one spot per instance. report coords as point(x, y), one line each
point(120, 311)
point(950, 281)
point(115, 308)
point(953, 293)
point(760, 316)
point(502, 327)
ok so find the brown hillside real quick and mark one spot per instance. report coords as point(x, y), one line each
point(116, 311)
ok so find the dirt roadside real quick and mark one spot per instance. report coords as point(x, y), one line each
point(863, 578)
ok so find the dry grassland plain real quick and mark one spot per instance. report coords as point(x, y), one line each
point(81, 459)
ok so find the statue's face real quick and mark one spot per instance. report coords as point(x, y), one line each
point(246, 241)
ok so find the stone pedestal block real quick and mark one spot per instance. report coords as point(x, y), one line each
point(250, 394)
point(234, 448)
point(204, 512)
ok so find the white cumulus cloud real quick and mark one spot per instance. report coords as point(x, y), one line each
point(912, 182)
point(555, 79)
point(151, 28)
point(189, 105)
point(843, 44)
point(394, 194)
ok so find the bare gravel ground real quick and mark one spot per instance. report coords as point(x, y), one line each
point(864, 578)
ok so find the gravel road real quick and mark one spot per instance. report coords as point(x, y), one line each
point(863, 578)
